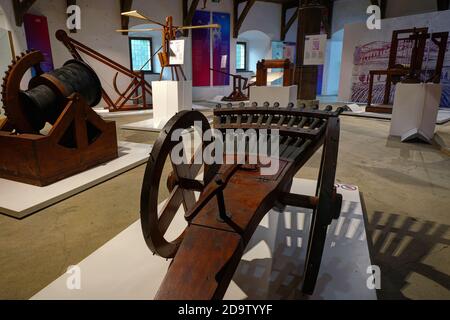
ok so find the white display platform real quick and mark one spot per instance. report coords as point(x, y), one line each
point(19, 200)
point(105, 114)
point(442, 118)
point(272, 267)
point(272, 94)
point(415, 110)
point(149, 124)
point(170, 97)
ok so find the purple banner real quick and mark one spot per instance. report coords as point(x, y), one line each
point(201, 50)
point(221, 48)
point(36, 31)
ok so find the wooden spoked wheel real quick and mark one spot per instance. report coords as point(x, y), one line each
point(328, 207)
point(155, 222)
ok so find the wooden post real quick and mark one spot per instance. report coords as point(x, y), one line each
point(286, 25)
point(125, 5)
point(238, 20)
point(309, 23)
point(188, 14)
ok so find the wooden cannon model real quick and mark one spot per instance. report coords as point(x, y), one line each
point(78, 139)
point(235, 197)
point(407, 72)
point(287, 66)
point(138, 87)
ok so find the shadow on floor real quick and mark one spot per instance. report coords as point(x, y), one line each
point(400, 247)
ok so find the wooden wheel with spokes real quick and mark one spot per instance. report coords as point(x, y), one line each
point(155, 219)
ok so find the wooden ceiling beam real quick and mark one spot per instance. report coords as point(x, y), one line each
point(383, 5)
point(238, 20)
point(285, 26)
point(327, 17)
point(20, 9)
point(188, 13)
point(125, 5)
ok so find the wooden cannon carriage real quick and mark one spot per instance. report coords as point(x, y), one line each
point(235, 197)
point(78, 139)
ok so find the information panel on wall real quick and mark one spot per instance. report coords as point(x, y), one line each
point(315, 46)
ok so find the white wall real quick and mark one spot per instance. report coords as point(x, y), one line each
point(259, 46)
point(263, 16)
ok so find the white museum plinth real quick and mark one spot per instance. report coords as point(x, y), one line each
point(169, 97)
point(272, 94)
point(19, 200)
point(415, 110)
point(271, 268)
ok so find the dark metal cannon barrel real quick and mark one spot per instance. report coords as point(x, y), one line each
point(48, 90)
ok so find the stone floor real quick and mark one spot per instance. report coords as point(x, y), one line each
point(406, 190)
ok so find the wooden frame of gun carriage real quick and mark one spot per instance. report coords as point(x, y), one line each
point(235, 197)
point(410, 73)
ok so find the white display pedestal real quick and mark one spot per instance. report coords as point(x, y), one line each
point(19, 200)
point(272, 94)
point(415, 111)
point(271, 268)
point(170, 97)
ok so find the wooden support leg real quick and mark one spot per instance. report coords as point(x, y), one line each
point(369, 97)
point(182, 73)
point(387, 91)
point(317, 237)
point(161, 73)
point(328, 208)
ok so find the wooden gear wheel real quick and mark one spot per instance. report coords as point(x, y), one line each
point(14, 109)
point(181, 184)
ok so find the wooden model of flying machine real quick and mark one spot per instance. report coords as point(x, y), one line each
point(169, 33)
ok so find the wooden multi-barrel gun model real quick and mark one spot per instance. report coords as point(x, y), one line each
point(233, 198)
